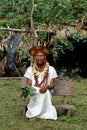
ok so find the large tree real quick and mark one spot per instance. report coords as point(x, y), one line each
point(18, 12)
point(40, 14)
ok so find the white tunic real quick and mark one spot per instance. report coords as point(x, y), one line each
point(40, 104)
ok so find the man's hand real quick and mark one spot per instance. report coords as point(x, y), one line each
point(43, 89)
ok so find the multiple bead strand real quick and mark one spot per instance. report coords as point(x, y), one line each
point(43, 72)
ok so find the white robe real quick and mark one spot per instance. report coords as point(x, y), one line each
point(40, 104)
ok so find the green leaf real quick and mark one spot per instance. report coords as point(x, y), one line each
point(25, 91)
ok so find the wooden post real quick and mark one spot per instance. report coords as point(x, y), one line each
point(65, 100)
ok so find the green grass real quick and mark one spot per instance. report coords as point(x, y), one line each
point(11, 115)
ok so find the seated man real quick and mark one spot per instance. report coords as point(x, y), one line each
point(41, 76)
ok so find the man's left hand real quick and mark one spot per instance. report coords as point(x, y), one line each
point(43, 89)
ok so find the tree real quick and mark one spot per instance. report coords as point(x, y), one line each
point(46, 13)
point(18, 12)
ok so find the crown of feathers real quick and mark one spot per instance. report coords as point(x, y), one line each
point(39, 48)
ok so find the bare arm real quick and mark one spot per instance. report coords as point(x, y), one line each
point(52, 83)
point(28, 82)
point(51, 86)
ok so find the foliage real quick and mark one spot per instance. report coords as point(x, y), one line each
point(24, 57)
point(67, 44)
point(25, 91)
point(72, 34)
point(17, 14)
point(41, 36)
point(61, 46)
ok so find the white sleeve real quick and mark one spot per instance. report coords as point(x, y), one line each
point(52, 72)
point(28, 73)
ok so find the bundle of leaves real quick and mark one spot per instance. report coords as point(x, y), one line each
point(25, 91)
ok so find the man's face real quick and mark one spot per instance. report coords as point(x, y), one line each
point(40, 57)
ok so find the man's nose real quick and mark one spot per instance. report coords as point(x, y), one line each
point(39, 57)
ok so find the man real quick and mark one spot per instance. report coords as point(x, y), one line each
point(41, 76)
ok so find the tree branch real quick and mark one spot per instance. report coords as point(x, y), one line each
point(15, 30)
point(32, 25)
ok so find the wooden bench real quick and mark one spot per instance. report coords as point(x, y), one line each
point(62, 88)
point(65, 88)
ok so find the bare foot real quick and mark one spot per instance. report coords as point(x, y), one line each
point(32, 119)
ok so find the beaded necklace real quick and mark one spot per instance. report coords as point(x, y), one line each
point(41, 67)
point(43, 71)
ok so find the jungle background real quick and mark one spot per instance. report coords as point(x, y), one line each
point(59, 25)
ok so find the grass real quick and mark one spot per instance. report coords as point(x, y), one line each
point(11, 115)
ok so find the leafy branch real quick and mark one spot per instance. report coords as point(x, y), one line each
point(25, 91)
